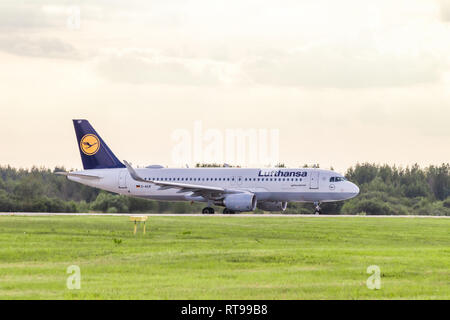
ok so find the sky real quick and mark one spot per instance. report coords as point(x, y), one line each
point(341, 82)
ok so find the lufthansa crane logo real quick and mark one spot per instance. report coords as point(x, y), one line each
point(90, 144)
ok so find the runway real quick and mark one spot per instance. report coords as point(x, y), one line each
point(242, 215)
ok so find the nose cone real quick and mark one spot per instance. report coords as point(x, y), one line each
point(354, 190)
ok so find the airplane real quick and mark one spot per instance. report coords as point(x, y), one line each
point(235, 189)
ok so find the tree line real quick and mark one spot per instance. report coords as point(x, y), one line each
point(384, 190)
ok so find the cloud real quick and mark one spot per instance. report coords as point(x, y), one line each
point(445, 10)
point(145, 66)
point(323, 66)
point(38, 47)
point(340, 67)
point(22, 17)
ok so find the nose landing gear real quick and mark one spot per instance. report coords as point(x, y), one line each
point(317, 209)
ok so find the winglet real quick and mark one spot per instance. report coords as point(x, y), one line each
point(134, 174)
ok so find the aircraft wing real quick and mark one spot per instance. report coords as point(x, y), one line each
point(198, 190)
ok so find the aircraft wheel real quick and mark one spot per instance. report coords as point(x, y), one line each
point(208, 210)
point(228, 211)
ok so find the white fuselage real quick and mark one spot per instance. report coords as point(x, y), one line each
point(278, 184)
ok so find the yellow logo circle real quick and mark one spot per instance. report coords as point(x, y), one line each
point(90, 144)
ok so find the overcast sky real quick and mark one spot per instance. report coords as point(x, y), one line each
point(343, 81)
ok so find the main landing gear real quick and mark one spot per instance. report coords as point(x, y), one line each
point(317, 209)
point(208, 210)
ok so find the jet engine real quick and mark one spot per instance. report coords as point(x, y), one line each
point(272, 206)
point(240, 202)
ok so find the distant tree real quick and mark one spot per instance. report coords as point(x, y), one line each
point(315, 165)
point(439, 180)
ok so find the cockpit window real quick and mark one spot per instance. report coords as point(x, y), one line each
point(332, 179)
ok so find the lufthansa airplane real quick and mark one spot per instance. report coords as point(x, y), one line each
point(235, 189)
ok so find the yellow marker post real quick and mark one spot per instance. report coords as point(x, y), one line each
point(137, 219)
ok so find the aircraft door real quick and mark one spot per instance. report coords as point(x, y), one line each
point(314, 180)
point(123, 179)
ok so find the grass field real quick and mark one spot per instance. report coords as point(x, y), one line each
point(224, 258)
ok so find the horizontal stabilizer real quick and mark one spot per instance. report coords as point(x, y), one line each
point(79, 175)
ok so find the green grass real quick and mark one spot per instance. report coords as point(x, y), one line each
point(224, 258)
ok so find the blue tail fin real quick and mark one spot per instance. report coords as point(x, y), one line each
point(94, 152)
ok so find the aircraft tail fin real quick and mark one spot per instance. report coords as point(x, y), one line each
point(94, 152)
